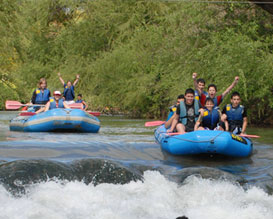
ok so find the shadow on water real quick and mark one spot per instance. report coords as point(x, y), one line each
point(17, 175)
point(208, 160)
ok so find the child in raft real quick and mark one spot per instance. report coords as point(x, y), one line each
point(235, 114)
point(80, 100)
point(210, 118)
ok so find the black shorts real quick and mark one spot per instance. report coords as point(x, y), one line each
point(189, 129)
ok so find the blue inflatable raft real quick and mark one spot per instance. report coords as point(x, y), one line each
point(204, 142)
point(57, 120)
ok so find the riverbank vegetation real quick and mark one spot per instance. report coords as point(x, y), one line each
point(137, 56)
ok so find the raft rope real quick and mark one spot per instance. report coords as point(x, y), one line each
point(189, 140)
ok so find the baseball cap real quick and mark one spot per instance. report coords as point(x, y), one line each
point(56, 92)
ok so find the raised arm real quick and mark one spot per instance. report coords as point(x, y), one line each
point(230, 87)
point(194, 76)
point(61, 79)
point(77, 79)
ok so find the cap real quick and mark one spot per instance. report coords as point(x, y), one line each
point(57, 93)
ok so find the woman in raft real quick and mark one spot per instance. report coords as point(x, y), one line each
point(55, 102)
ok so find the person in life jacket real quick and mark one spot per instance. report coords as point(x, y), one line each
point(186, 114)
point(198, 83)
point(210, 120)
point(55, 102)
point(80, 100)
point(69, 93)
point(212, 89)
point(235, 114)
point(41, 94)
point(173, 110)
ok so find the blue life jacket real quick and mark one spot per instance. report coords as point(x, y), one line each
point(234, 115)
point(80, 101)
point(69, 93)
point(211, 119)
point(196, 94)
point(42, 97)
point(183, 112)
point(53, 103)
point(172, 111)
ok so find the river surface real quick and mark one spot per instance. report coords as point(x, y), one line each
point(121, 173)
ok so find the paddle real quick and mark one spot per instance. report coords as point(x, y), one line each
point(154, 123)
point(33, 113)
point(250, 136)
point(94, 113)
point(27, 114)
point(12, 104)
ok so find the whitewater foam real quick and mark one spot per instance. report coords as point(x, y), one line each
point(155, 198)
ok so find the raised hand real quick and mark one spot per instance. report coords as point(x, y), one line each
point(194, 75)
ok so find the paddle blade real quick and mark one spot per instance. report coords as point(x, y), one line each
point(94, 113)
point(250, 136)
point(27, 114)
point(76, 106)
point(154, 123)
point(12, 104)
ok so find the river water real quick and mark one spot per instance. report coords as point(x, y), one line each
point(121, 173)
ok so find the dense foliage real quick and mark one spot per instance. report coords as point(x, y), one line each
point(136, 56)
